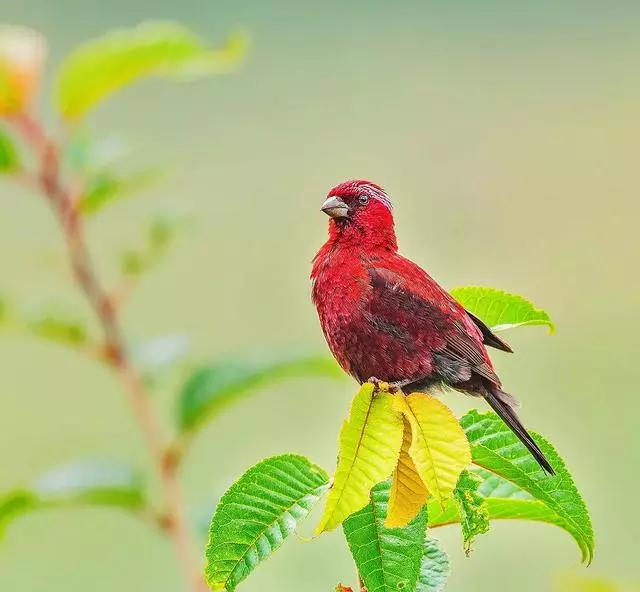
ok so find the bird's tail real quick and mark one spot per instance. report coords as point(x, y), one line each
point(505, 406)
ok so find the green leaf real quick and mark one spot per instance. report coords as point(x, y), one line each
point(59, 325)
point(257, 513)
point(14, 504)
point(9, 159)
point(434, 570)
point(388, 559)
point(92, 482)
point(89, 483)
point(501, 310)
point(497, 509)
point(102, 66)
point(472, 506)
point(211, 389)
point(522, 509)
point(514, 486)
point(163, 230)
point(160, 234)
point(106, 187)
point(553, 499)
point(134, 263)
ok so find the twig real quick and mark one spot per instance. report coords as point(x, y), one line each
point(64, 207)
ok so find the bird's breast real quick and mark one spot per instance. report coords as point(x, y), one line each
point(340, 286)
point(363, 344)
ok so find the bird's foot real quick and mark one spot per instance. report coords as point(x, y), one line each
point(399, 385)
point(380, 386)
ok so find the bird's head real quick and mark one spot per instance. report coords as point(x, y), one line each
point(357, 208)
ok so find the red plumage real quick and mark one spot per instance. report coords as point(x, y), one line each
point(385, 317)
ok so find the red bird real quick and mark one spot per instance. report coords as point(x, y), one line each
point(385, 319)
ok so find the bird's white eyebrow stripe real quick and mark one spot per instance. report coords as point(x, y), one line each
point(380, 196)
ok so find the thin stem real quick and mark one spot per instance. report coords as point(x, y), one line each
point(63, 204)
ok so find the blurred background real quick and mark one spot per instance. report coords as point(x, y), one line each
point(507, 135)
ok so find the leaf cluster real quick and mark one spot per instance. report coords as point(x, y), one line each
point(406, 466)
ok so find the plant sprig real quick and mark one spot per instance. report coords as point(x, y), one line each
point(90, 74)
point(397, 480)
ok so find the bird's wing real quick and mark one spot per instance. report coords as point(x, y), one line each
point(405, 300)
point(488, 336)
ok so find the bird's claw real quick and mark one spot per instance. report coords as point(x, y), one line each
point(380, 386)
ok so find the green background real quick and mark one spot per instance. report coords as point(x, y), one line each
point(507, 134)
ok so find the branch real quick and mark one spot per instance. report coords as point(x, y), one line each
point(63, 205)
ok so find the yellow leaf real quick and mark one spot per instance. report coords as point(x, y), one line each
point(370, 443)
point(439, 448)
point(408, 492)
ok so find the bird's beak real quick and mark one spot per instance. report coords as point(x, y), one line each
point(335, 207)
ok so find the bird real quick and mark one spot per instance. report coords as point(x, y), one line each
point(385, 319)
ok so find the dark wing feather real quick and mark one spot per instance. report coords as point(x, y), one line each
point(433, 324)
point(463, 346)
point(488, 336)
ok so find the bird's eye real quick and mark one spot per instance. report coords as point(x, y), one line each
point(363, 200)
